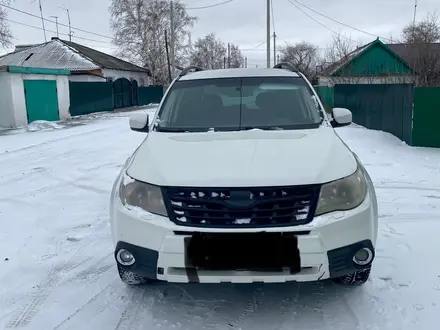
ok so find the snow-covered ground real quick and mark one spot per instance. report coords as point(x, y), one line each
point(57, 269)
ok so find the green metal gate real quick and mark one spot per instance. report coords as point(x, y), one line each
point(426, 120)
point(41, 100)
point(378, 106)
point(123, 93)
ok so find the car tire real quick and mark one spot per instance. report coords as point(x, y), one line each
point(357, 278)
point(131, 278)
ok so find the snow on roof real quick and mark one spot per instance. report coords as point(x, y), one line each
point(53, 55)
point(60, 54)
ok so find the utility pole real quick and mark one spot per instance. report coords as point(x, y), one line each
point(224, 62)
point(245, 62)
point(274, 49)
point(172, 40)
point(70, 26)
point(415, 11)
point(229, 55)
point(168, 57)
point(56, 23)
point(42, 20)
point(268, 33)
point(68, 18)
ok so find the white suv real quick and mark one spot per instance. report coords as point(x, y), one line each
point(241, 179)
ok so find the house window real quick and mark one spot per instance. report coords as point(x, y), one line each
point(109, 79)
point(142, 82)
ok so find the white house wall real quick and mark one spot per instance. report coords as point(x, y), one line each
point(19, 101)
point(86, 78)
point(142, 78)
point(7, 119)
point(331, 81)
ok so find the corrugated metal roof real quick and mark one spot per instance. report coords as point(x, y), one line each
point(53, 55)
point(414, 53)
point(60, 54)
point(104, 60)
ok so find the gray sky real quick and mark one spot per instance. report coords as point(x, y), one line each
point(242, 22)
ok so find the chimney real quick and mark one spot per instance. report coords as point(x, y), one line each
point(19, 48)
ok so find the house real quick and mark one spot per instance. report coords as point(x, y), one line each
point(379, 63)
point(59, 79)
point(84, 63)
point(373, 63)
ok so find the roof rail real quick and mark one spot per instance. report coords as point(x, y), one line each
point(188, 69)
point(286, 66)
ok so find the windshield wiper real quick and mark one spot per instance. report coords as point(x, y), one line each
point(170, 129)
point(263, 128)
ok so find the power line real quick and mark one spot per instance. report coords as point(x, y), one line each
point(259, 45)
point(39, 28)
point(105, 44)
point(210, 6)
point(336, 21)
point(48, 20)
point(314, 19)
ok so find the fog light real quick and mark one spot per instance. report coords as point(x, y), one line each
point(125, 257)
point(363, 257)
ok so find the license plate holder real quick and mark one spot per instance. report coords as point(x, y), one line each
point(243, 251)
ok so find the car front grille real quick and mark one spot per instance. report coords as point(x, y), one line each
point(241, 207)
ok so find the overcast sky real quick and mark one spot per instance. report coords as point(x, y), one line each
point(242, 22)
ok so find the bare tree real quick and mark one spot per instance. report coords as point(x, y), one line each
point(340, 47)
point(303, 55)
point(5, 33)
point(209, 52)
point(423, 50)
point(139, 33)
point(237, 58)
point(425, 31)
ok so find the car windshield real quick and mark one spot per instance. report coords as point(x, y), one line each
point(239, 104)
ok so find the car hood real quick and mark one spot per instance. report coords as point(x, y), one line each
point(242, 158)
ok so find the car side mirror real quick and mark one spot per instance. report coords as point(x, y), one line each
point(140, 122)
point(341, 117)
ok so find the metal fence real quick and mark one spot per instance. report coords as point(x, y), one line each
point(385, 107)
point(326, 94)
point(150, 94)
point(89, 97)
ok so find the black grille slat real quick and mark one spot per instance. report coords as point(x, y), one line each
point(223, 209)
point(241, 207)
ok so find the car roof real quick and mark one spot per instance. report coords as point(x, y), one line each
point(239, 73)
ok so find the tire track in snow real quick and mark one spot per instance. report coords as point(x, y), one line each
point(67, 137)
point(140, 305)
point(338, 311)
point(93, 299)
point(25, 315)
point(93, 272)
point(250, 308)
point(406, 186)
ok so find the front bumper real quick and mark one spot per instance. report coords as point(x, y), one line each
point(326, 245)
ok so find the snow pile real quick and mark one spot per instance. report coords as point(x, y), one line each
point(43, 125)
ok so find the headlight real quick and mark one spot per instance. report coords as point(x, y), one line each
point(343, 194)
point(143, 195)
